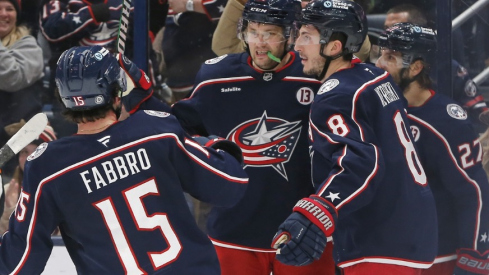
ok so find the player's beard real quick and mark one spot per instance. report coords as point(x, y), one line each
point(403, 79)
point(316, 66)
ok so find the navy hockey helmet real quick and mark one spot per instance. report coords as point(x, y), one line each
point(275, 12)
point(87, 76)
point(413, 41)
point(337, 16)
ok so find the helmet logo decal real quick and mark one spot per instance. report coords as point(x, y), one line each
point(416, 29)
point(305, 95)
point(327, 4)
point(99, 99)
point(267, 141)
point(456, 112)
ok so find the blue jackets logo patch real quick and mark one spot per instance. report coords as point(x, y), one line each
point(267, 141)
point(456, 111)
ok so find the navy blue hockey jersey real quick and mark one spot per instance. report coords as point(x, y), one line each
point(117, 197)
point(364, 162)
point(72, 21)
point(451, 156)
point(266, 114)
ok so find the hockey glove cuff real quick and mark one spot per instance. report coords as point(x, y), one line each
point(471, 262)
point(138, 86)
point(100, 12)
point(216, 143)
point(301, 238)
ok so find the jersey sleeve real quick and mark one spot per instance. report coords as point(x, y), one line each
point(214, 8)
point(457, 162)
point(26, 246)
point(60, 22)
point(354, 165)
point(212, 176)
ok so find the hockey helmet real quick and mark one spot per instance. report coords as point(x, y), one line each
point(413, 41)
point(87, 76)
point(337, 16)
point(275, 12)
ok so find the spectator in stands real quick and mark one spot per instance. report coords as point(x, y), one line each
point(225, 40)
point(187, 39)
point(12, 189)
point(463, 88)
point(21, 68)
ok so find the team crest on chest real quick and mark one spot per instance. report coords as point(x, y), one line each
point(267, 141)
point(456, 111)
point(267, 76)
point(39, 150)
point(215, 60)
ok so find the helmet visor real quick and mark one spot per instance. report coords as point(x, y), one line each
point(306, 35)
point(255, 32)
point(392, 59)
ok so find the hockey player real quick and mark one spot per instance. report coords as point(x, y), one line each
point(259, 99)
point(116, 188)
point(448, 149)
point(464, 89)
point(371, 190)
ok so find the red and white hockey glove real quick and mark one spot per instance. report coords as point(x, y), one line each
point(139, 87)
point(471, 262)
point(301, 238)
point(216, 143)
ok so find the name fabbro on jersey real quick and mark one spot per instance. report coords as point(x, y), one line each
point(114, 169)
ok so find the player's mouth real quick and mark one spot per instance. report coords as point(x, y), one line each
point(303, 59)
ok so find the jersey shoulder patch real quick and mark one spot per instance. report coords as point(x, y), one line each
point(157, 113)
point(39, 150)
point(328, 86)
point(456, 111)
point(215, 60)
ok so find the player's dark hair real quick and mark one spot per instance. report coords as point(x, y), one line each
point(423, 78)
point(342, 38)
point(415, 15)
point(91, 115)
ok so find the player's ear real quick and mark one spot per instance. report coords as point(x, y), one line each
point(415, 68)
point(336, 48)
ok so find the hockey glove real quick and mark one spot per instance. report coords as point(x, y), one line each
point(471, 262)
point(301, 238)
point(100, 12)
point(216, 143)
point(138, 85)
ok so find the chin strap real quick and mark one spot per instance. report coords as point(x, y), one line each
point(328, 61)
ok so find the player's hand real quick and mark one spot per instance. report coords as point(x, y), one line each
point(301, 238)
point(178, 5)
point(138, 85)
point(471, 262)
point(216, 143)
